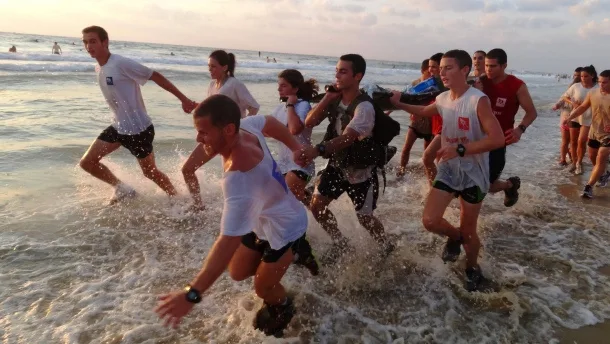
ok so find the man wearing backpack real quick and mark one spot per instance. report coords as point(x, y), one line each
point(353, 155)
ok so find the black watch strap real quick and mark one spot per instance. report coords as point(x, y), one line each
point(192, 295)
point(289, 105)
point(522, 127)
point(321, 147)
point(461, 150)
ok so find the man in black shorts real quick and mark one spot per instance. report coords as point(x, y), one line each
point(120, 79)
point(350, 121)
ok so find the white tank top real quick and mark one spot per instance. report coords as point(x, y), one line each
point(461, 125)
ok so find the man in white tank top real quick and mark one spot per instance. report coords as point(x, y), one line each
point(470, 131)
point(598, 100)
point(263, 225)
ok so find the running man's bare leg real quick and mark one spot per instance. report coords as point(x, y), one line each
point(469, 216)
point(574, 134)
point(319, 209)
point(432, 218)
point(600, 166)
point(192, 164)
point(268, 277)
point(91, 161)
point(244, 263)
point(430, 156)
point(564, 148)
point(374, 227)
point(150, 170)
point(583, 137)
point(406, 151)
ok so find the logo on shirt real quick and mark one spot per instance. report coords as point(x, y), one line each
point(109, 80)
point(501, 102)
point(464, 123)
point(277, 174)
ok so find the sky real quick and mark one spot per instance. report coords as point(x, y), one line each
point(538, 35)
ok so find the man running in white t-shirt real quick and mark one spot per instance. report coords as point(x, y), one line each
point(262, 226)
point(120, 79)
point(470, 130)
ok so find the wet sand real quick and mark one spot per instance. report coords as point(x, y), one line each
point(595, 334)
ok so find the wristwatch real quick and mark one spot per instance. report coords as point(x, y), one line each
point(522, 127)
point(461, 150)
point(321, 149)
point(192, 295)
point(289, 105)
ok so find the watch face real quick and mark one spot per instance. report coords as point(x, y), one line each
point(192, 296)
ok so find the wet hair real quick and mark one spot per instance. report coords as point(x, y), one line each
point(605, 74)
point(424, 64)
point(462, 58)
point(307, 89)
point(358, 63)
point(437, 58)
point(225, 59)
point(578, 69)
point(221, 109)
point(101, 33)
point(481, 52)
point(498, 55)
point(591, 71)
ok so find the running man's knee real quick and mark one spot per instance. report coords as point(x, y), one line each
point(430, 222)
point(263, 289)
point(87, 163)
point(151, 173)
point(239, 275)
point(187, 171)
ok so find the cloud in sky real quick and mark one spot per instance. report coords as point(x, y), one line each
point(406, 30)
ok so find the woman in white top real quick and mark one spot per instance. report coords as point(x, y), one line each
point(565, 109)
point(222, 72)
point(297, 93)
point(579, 131)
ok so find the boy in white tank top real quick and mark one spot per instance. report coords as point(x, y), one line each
point(470, 131)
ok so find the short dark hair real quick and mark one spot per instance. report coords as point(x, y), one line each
point(221, 109)
point(225, 59)
point(425, 64)
point(461, 56)
point(498, 55)
point(101, 33)
point(605, 74)
point(578, 69)
point(481, 52)
point(358, 63)
point(437, 57)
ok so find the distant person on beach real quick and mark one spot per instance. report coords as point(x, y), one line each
point(12, 49)
point(274, 60)
point(119, 79)
point(56, 49)
point(507, 93)
point(579, 132)
point(297, 92)
point(262, 227)
point(420, 128)
point(222, 72)
point(172, 53)
point(259, 54)
point(598, 100)
point(469, 131)
point(267, 59)
point(566, 130)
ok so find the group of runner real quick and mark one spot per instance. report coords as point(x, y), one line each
point(264, 220)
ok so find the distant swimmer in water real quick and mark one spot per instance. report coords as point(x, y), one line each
point(262, 227)
point(73, 43)
point(259, 54)
point(267, 59)
point(274, 61)
point(56, 49)
point(172, 54)
point(12, 49)
point(222, 68)
point(119, 79)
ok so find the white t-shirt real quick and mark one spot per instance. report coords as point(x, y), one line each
point(363, 123)
point(578, 92)
point(235, 90)
point(120, 79)
point(285, 159)
point(259, 200)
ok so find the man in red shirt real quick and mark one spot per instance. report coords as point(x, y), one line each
point(506, 93)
